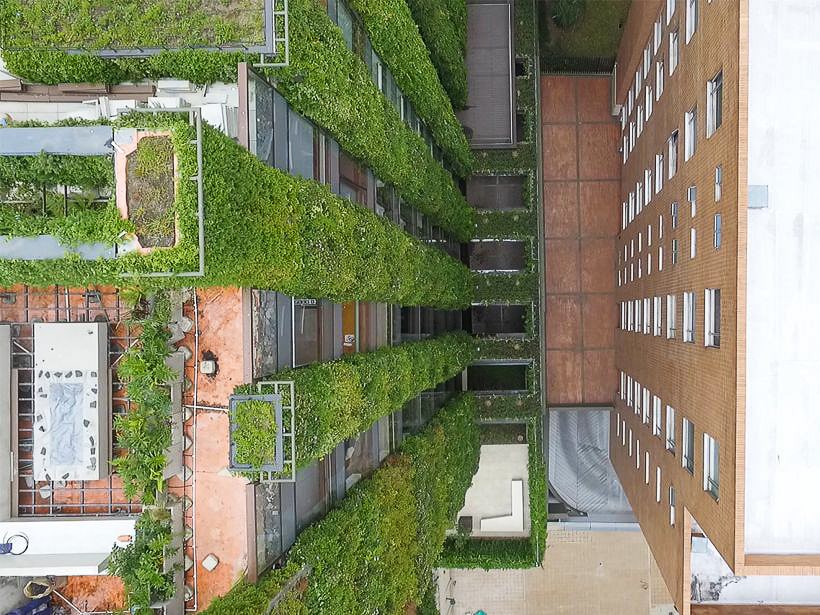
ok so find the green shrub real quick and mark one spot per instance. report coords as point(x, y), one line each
point(255, 434)
point(326, 82)
point(396, 39)
point(374, 553)
point(145, 431)
point(305, 241)
point(53, 169)
point(140, 564)
point(566, 13)
point(340, 399)
point(443, 26)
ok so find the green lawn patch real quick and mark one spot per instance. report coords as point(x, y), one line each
point(596, 34)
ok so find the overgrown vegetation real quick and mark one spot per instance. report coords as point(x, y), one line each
point(443, 26)
point(150, 189)
point(581, 34)
point(101, 24)
point(375, 552)
point(267, 229)
point(340, 399)
point(396, 39)
point(255, 434)
point(140, 564)
point(326, 82)
point(145, 431)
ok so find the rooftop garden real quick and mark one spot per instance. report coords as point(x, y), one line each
point(339, 399)
point(376, 551)
point(306, 241)
point(581, 34)
point(92, 25)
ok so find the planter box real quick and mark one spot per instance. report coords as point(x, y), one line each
point(278, 463)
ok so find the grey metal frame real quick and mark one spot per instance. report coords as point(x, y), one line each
point(286, 389)
point(276, 401)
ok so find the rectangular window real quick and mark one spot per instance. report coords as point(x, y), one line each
point(671, 310)
point(631, 100)
point(711, 466)
point(671, 506)
point(637, 454)
point(658, 34)
point(659, 74)
point(657, 426)
point(658, 172)
point(638, 398)
point(649, 263)
point(624, 215)
point(638, 316)
point(631, 206)
point(691, 19)
point(673, 154)
point(638, 198)
point(718, 182)
point(660, 258)
point(647, 185)
point(650, 100)
point(718, 230)
point(670, 10)
point(687, 459)
point(630, 442)
point(623, 386)
point(638, 82)
point(629, 391)
point(690, 132)
point(631, 135)
point(712, 317)
point(646, 406)
point(658, 483)
point(674, 251)
point(640, 119)
point(692, 243)
point(670, 429)
point(656, 317)
point(646, 468)
point(623, 432)
point(674, 50)
point(618, 425)
point(714, 104)
point(623, 116)
point(649, 235)
point(689, 316)
point(647, 318)
point(692, 197)
point(647, 60)
point(660, 226)
point(631, 316)
point(673, 214)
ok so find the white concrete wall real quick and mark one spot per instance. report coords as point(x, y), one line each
point(490, 494)
point(783, 332)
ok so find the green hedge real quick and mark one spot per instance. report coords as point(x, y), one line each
point(140, 564)
point(267, 229)
point(395, 37)
point(53, 169)
point(340, 399)
point(505, 287)
point(145, 431)
point(98, 24)
point(508, 406)
point(326, 82)
point(443, 26)
point(254, 598)
point(375, 552)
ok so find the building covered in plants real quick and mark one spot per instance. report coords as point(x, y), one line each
point(269, 302)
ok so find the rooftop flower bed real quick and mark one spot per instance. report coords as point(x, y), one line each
point(93, 25)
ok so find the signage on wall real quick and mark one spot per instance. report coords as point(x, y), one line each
point(306, 302)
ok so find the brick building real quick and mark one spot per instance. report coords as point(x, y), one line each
point(711, 433)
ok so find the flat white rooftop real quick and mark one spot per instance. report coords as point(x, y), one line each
point(783, 333)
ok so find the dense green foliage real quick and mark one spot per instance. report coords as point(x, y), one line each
point(375, 552)
point(591, 44)
point(505, 287)
point(249, 598)
point(340, 399)
point(145, 431)
point(100, 24)
point(255, 434)
point(267, 229)
point(443, 26)
point(140, 564)
point(326, 82)
point(53, 169)
point(85, 223)
point(566, 13)
point(396, 39)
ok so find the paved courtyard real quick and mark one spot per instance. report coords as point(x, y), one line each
point(584, 573)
